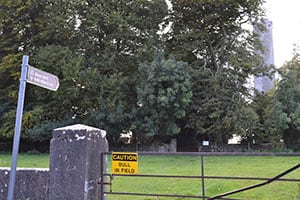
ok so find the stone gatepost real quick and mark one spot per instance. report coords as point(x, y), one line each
point(75, 163)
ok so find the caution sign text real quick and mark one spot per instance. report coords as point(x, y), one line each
point(124, 163)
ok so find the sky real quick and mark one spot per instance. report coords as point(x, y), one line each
point(285, 16)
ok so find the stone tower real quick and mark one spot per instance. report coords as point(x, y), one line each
point(264, 83)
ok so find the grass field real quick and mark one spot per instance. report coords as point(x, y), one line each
point(26, 160)
point(264, 167)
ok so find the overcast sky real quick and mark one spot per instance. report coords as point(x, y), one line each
point(285, 16)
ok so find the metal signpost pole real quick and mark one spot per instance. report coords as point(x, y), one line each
point(18, 124)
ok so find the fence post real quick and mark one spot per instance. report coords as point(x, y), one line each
point(75, 162)
point(202, 177)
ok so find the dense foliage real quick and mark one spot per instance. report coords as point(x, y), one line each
point(210, 36)
point(139, 66)
point(284, 114)
point(95, 49)
point(164, 94)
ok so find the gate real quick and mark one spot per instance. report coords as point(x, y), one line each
point(107, 179)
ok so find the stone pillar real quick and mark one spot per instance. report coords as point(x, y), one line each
point(75, 162)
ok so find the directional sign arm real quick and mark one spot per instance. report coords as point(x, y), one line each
point(43, 79)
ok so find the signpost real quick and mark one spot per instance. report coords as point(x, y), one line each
point(124, 163)
point(39, 78)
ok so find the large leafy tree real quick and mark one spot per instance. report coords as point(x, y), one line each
point(94, 48)
point(164, 93)
point(46, 110)
point(115, 37)
point(15, 23)
point(211, 36)
point(42, 30)
point(284, 115)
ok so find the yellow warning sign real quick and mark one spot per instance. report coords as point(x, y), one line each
point(124, 163)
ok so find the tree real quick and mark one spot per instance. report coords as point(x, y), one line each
point(13, 14)
point(163, 96)
point(261, 105)
point(284, 117)
point(46, 109)
point(94, 48)
point(115, 36)
point(211, 37)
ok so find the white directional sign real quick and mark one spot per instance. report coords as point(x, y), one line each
point(42, 79)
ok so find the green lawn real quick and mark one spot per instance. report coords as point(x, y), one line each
point(264, 167)
point(186, 165)
point(26, 160)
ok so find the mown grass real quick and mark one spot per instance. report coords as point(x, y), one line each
point(264, 167)
point(26, 160)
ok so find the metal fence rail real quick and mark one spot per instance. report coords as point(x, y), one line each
point(257, 185)
point(202, 177)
